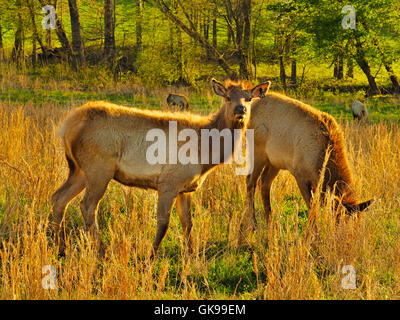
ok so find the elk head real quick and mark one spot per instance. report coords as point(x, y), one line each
point(238, 97)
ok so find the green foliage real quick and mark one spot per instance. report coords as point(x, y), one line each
point(308, 32)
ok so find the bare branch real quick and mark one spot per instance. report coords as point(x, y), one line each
point(187, 16)
point(195, 35)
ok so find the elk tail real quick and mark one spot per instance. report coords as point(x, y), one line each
point(68, 131)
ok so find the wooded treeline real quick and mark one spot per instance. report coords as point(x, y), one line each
point(176, 41)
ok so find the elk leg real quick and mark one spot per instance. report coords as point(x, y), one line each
point(94, 192)
point(251, 189)
point(183, 206)
point(165, 202)
point(305, 189)
point(267, 177)
point(251, 183)
point(69, 190)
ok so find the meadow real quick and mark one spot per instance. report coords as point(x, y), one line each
point(300, 255)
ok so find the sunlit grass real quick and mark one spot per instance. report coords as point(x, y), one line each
point(279, 262)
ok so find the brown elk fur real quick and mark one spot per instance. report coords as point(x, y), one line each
point(290, 135)
point(244, 84)
point(103, 141)
point(179, 100)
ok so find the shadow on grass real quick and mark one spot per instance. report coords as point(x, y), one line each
point(227, 271)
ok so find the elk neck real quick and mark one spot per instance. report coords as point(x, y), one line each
point(219, 122)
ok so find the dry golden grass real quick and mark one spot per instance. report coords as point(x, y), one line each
point(296, 258)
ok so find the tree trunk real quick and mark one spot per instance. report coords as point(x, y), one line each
point(243, 70)
point(171, 39)
point(35, 35)
point(206, 32)
point(48, 38)
point(350, 67)
point(393, 78)
point(246, 36)
point(293, 76)
point(362, 62)
point(60, 32)
point(335, 68)
point(77, 49)
point(109, 37)
point(62, 37)
point(214, 30)
point(206, 27)
point(386, 62)
point(282, 72)
point(177, 44)
point(390, 71)
point(338, 67)
point(179, 54)
point(280, 43)
point(17, 51)
point(243, 32)
point(33, 51)
point(239, 21)
point(139, 22)
point(229, 23)
point(1, 44)
point(229, 34)
point(254, 54)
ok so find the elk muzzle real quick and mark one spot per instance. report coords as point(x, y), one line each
point(240, 112)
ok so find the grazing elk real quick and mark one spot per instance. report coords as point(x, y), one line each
point(103, 141)
point(359, 110)
point(178, 100)
point(290, 135)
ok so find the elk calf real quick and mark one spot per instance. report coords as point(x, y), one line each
point(103, 141)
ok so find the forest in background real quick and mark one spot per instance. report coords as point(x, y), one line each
point(176, 42)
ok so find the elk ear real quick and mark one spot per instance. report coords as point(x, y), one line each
point(218, 87)
point(260, 90)
point(358, 207)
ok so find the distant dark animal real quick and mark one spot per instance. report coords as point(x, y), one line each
point(55, 55)
point(359, 110)
point(178, 100)
point(123, 65)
